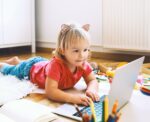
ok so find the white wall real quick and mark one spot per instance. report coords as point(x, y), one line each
point(126, 25)
point(50, 14)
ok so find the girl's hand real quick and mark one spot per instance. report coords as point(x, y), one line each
point(93, 95)
point(80, 99)
point(92, 87)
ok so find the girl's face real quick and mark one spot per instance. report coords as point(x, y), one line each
point(77, 53)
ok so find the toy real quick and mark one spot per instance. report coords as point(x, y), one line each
point(145, 89)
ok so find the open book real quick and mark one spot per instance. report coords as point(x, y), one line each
point(25, 111)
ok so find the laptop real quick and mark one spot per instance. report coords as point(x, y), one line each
point(120, 89)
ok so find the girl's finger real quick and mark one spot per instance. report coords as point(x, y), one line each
point(85, 103)
point(96, 97)
point(86, 100)
point(91, 95)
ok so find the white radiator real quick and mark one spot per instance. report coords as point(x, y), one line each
point(126, 24)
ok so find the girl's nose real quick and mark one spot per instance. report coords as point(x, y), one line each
point(81, 54)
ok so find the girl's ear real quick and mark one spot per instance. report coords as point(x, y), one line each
point(86, 27)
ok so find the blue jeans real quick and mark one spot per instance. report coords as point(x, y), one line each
point(22, 69)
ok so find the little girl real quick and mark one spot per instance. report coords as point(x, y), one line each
point(64, 70)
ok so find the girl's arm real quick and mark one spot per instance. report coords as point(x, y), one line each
point(92, 87)
point(58, 95)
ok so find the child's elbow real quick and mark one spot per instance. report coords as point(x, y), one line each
point(50, 94)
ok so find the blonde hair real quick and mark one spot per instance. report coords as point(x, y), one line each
point(69, 34)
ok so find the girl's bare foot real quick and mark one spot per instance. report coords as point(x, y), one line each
point(13, 61)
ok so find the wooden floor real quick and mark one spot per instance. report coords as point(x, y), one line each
point(26, 54)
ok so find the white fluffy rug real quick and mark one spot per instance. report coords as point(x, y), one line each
point(12, 88)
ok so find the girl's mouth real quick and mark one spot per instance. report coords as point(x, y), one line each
point(80, 61)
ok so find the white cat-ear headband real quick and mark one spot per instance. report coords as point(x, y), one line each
point(65, 28)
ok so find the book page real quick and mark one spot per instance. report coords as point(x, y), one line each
point(4, 118)
point(27, 111)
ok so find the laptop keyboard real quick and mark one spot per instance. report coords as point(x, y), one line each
point(98, 110)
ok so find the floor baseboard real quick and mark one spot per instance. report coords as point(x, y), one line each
point(107, 56)
point(101, 55)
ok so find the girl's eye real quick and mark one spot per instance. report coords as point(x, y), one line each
point(86, 50)
point(76, 51)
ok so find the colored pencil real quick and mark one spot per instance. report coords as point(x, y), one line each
point(106, 104)
point(85, 117)
point(114, 109)
point(79, 112)
point(93, 110)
